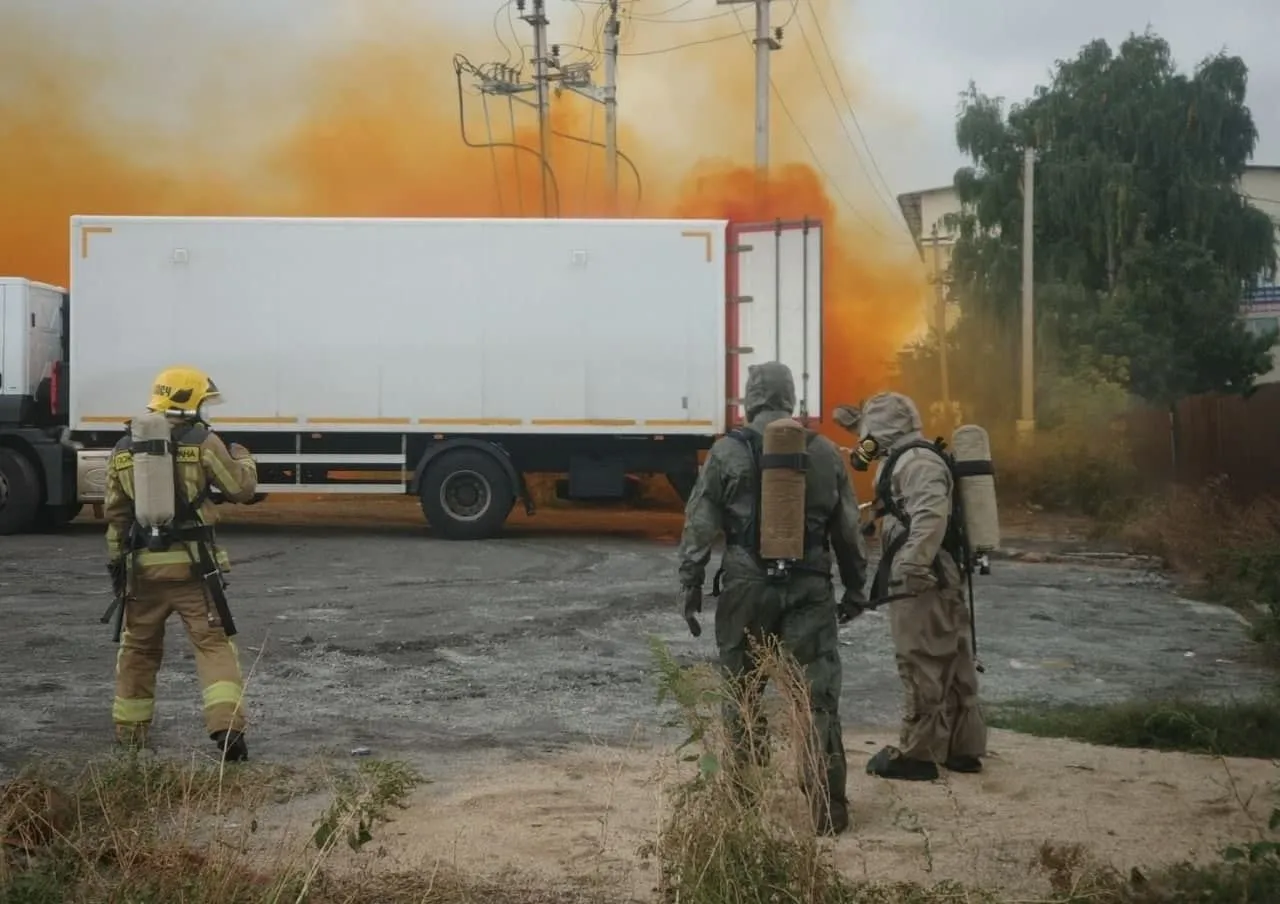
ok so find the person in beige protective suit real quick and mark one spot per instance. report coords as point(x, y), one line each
point(919, 576)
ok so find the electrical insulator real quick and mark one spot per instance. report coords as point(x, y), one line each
point(777, 33)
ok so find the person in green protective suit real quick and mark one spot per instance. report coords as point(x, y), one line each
point(800, 610)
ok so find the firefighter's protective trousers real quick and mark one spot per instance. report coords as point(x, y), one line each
point(142, 649)
point(162, 582)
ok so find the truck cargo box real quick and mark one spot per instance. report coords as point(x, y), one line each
point(31, 333)
point(487, 325)
point(361, 324)
point(445, 358)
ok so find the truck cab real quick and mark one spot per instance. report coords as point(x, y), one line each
point(37, 459)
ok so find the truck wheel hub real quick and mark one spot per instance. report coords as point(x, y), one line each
point(465, 495)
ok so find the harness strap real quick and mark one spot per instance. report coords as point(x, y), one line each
point(749, 537)
point(954, 542)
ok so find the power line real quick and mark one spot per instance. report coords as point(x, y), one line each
point(813, 153)
point(699, 43)
point(582, 21)
point(497, 32)
point(460, 65)
point(511, 23)
point(892, 200)
point(635, 171)
point(660, 18)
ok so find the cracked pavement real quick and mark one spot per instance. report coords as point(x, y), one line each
point(361, 630)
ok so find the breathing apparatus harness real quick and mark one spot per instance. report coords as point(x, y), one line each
point(749, 537)
point(955, 542)
point(188, 526)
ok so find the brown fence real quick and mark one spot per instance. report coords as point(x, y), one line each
point(1216, 435)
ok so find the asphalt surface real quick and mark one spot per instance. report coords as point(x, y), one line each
point(369, 633)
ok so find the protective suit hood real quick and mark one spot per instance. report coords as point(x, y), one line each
point(770, 387)
point(891, 418)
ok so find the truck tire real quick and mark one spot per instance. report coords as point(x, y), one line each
point(19, 492)
point(466, 495)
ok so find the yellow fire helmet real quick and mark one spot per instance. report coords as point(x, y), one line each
point(183, 391)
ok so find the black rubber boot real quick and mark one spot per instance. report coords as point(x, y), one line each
point(890, 763)
point(964, 763)
point(232, 744)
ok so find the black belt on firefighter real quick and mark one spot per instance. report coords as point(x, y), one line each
point(198, 541)
point(717, 582)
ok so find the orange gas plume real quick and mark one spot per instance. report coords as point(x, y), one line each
point(367, 122)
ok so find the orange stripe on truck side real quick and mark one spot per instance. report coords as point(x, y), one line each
point(255, 420)
point(432, 422)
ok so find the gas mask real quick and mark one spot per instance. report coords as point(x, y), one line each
point(863, 454)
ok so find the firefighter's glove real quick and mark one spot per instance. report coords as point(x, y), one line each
point(852, 604)
point(239, 452)
point(691, 598)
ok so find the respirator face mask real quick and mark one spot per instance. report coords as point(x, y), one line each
point(867, 451)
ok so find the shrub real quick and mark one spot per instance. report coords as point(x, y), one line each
point(1231, 551)
point(1067, 470)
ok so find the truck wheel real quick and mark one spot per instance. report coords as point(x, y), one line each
point(19, 492)
point(466, 495)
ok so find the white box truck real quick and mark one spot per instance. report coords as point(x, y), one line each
point(445, 358)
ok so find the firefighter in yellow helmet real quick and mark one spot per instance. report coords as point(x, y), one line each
point(168, 463)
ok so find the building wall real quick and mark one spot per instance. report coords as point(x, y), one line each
point(923, 211)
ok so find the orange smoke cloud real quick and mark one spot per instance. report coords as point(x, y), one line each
point(368, 124)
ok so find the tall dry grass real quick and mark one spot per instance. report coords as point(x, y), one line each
point(1231, 552)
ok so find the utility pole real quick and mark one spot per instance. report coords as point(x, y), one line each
point(499, 79)
point(940, 300)
point(611, 29)
point(576, 77)
point(765, 43)
point(541, 80)
point(1027, 423)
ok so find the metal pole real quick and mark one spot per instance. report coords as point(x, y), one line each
point(1027, 423)
point(764, 46)
point(538, 20)
point(611, 104)
point(941, 308)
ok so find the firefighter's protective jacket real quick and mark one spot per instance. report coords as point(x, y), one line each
point(201, 458)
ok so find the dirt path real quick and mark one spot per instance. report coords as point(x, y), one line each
point(584, 814)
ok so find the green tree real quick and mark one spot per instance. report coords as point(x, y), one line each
point(1143, 242)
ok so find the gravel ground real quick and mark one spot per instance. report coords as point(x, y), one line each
point(361, 630)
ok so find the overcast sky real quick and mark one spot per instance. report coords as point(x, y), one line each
point(922, 53)
point(912, 57)
point(934, 47)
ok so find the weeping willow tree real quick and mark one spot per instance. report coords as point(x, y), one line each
point(1143, 242)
